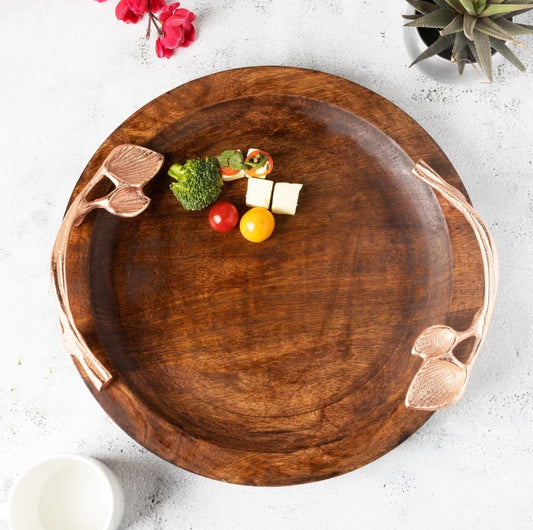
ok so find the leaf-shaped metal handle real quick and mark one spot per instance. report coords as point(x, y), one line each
point(129, 167)
point(441, 379)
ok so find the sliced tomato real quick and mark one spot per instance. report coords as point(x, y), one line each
point(258, 164)
point(227, 171)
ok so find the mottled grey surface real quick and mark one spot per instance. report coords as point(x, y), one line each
point(70, 73)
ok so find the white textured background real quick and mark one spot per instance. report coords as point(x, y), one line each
point(70, 73)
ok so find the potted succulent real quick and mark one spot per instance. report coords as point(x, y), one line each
point(469, 31)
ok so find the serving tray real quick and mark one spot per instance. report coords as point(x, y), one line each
point(287, 361)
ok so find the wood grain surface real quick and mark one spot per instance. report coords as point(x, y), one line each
point(287, 361)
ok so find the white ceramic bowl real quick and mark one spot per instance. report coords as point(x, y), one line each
point(66, 492)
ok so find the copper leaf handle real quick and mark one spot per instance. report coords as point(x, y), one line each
point(441, 379)
point(129, 168)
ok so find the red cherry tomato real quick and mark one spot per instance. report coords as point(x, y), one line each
point(223, 216)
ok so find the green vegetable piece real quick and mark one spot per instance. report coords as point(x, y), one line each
point(198, 182)
point(232, 158)
point(257, 161)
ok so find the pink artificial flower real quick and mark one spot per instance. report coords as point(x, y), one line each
point(123, 12)
point(141, 6)
point(131, 11)
point(161, 51)
point(100, 0)
point(177, 29)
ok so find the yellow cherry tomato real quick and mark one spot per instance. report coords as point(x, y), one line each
point(257, 224)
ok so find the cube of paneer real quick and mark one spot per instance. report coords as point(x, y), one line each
point(285, 198)
point(259, 192)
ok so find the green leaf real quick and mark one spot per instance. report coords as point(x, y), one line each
point(257, 161)
point(483, 50)
point(459, 54)
point(512, 15)
point(469, 23)
point(230, 157)
point(441, 3)
point(457, 5)
point(441, 44)
point(502, 9)
point(469, 6)
point(459, 46)
point(437, 19)
point(473, 51)
point(454, 26)
point(514, 29)
point(526, 27)
point(422, 6)
point(502, 49)
point(479, 6)
point(490, 28)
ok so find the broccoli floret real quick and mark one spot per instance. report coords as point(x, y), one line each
point(198, 182)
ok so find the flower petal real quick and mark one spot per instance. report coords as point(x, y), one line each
point(139, 7)
point(161, 50)
point(123, 12)
point(189, 37)
point(168, 11)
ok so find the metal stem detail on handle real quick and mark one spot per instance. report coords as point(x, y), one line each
point(129, 168)
point(441, 379)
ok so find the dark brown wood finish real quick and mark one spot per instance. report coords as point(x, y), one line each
point(287, 361)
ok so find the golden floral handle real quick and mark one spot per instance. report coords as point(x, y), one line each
point(441, 379)
point(129, 168)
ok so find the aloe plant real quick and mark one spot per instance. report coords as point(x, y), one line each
point(476, 26)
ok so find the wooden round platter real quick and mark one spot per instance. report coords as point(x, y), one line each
point(286, 361)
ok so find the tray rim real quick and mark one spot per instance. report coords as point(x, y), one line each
point(108, 398)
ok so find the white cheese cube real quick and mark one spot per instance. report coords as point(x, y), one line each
point(259, 192)
point(285, 198)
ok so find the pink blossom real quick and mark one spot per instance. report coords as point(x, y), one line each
point(131, 11)
point(177, 28)
point(174, 24)
point(123, 12)
point(161, 51)
point(141, 6)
